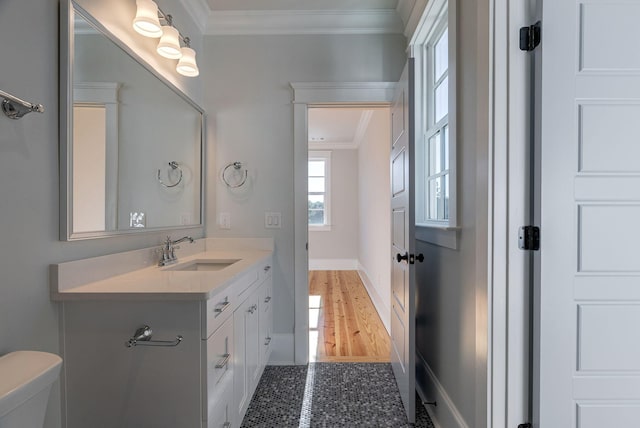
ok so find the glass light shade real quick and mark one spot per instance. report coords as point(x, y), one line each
point(146, 21)
point(187, 65)
point(169, 46)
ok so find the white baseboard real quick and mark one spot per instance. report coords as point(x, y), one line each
point(333, 264)
point(384, 312)
point(445, 414)
point(282, 350)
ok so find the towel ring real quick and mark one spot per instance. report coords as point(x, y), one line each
point(236, 166)
point(174, 166)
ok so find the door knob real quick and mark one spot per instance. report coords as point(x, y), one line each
point(420, 257)
point(401, 257)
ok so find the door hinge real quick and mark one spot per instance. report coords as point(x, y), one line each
point(529, 238)
point(525, 425)
point(530, 37)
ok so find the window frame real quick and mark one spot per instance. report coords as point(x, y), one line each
point(439, 16)
point(325, 156)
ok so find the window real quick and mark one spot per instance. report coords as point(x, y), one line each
point(435, 153)
point(319, 190)
point(434, 51)
point(436, 135)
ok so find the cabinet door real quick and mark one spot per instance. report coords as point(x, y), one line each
point(245, 327)
point(266, 321)
point(220, 354)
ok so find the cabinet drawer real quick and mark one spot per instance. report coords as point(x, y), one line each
point(265, 270)
point(243, 284)
point(220, 356)
point(220, 405)
point(219, 308)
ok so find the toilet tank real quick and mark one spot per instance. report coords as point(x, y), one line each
point(25, 382)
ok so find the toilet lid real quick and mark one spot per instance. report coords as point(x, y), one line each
point(23, 374)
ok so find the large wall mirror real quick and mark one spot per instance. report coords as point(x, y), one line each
point(131, 142)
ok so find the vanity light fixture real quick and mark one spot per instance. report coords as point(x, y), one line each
point(148, 22)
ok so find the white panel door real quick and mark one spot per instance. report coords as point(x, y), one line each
point(589, 288)
point(402, 242)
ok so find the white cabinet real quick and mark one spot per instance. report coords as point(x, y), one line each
point(220, 376)
point(249, 334)
point(207, 381)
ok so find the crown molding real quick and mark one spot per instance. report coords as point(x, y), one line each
point(413, 17)
point(358, 136)
point(199, 11)
point(303, 22)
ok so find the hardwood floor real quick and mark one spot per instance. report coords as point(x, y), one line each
point(348, 328)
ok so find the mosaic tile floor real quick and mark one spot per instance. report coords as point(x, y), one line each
point(329, 395)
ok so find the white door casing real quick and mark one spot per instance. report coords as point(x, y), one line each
point(402, 242)
point(317, 94)
point(588, 352)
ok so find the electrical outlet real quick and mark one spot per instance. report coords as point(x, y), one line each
point(224, 221)
point(272, 220)
point(185, 219)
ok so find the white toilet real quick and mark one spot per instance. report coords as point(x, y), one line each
point(25, 382)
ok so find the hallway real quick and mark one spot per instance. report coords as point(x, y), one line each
point(344, 324)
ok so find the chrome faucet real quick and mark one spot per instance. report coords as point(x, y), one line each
point(168, 250)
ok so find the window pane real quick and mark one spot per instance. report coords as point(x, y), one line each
point(442, 99)
point(316, 217)
point(438, 202)
point(316, 209)
point(316, 168)
point(445, 202)
point(445, 143)
point(316, 184)
point(441, 55)
point(435, 156)
point(316, 201)
point(434, 192)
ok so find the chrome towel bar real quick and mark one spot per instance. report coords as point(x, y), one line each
point(15, 108)
point(142, 337)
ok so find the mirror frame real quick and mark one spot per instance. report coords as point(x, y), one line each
point(68, 8)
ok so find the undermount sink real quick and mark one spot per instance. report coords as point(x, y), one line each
point(204, 265)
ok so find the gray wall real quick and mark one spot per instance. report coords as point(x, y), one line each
point(29, 182)
point(452, 284)
point(251, 120)
point(341, 242)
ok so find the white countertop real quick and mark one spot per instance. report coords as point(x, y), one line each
point(161, 283)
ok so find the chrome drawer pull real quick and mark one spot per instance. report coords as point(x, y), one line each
point(267, 299)
point(267, 341)
point(224, 361)
point(222, 307)
point(226, 425)
point(252, 309)
point(267, 268)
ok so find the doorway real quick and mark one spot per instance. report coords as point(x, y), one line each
point(307, 96)
point(348, 233)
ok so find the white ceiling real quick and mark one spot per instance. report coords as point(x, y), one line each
point(233, 17)
point(301, 4)
point(337, 128)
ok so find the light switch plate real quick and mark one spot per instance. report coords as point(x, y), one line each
point(224, 221)
point(272, 220)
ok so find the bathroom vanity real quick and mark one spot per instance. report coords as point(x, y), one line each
point(211, 321)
